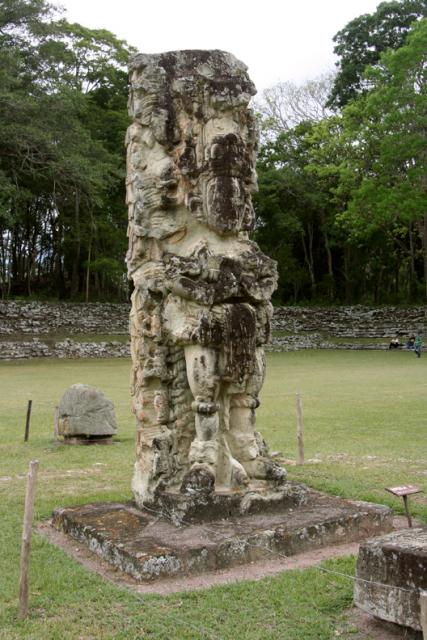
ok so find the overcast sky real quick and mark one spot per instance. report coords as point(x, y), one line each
point(279, 40)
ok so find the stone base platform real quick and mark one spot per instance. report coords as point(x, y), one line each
point(146, 545)
point(392, 570)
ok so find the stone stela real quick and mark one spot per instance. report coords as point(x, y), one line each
point(201, 305)
point(200, 317)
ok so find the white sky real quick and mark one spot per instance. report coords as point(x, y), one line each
point(279, 40)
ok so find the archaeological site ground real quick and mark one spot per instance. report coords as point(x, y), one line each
point(359, 412)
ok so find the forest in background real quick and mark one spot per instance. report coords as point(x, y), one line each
point(342, 200)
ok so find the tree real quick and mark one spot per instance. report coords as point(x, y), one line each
point(387, 129)
point(286, 104)
point(295, 215)
point(63, 118)
point(362, 41)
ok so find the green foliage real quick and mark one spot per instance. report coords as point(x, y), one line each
point(362, 41)
point(63, 119)
point(387, 128)
point(350, 191)
point(342, 198)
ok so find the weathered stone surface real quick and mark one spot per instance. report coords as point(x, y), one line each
point(201, 306)
point(85, 411)
point(148, 547)
point(391, 571)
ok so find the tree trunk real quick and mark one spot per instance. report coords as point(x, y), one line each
point(412, 276)
point(76, 257)
point(308, 256)
point(348, 287)
point(331, 287)
point(58, 269)
point(88, 271)
point(425, 254)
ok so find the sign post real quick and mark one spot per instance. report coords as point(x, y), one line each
point(404, 491)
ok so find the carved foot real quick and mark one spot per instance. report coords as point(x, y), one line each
point(239, 477)
point(199, 480)
point(265, 469)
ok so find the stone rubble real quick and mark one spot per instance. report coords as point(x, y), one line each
point(352, 321)
point(64, 349)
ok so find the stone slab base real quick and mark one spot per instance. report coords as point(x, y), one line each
point(392, 569)
point(147, 546)
point(85, 440)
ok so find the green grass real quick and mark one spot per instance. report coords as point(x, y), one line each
point(364, 420)
point(364, 416)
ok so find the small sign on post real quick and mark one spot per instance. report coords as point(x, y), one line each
point(404, 491)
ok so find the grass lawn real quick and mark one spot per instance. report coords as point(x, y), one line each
point(365, 415)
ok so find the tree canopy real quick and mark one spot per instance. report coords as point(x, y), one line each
point(342, 202)
point(362, 41)
point(63, 93)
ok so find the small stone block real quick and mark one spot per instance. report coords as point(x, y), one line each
point(391, 572)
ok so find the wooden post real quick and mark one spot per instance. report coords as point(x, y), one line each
point(27, 423)
point(56, 425)
point(300, 429)
point(408, 515)
point(26, 538)
point(423, 613)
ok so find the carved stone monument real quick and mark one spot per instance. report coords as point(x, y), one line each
point(200, 317)
point(201, 305)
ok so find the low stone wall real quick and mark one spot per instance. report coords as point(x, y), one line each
point(35, 318)
point(352, 322)
point(13, 350)
point(37, 329)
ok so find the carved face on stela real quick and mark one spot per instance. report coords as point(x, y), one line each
point(224, 177)
point(200, 116)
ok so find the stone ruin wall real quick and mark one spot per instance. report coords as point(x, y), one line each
point(29, 329)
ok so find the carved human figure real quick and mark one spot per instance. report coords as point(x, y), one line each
point(201, 306)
